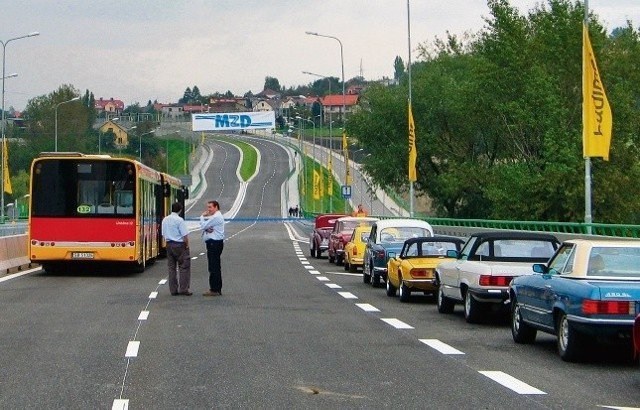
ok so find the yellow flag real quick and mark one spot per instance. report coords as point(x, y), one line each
point(329, 176)
point(413, 154)
point(316, 184)
point(345, 149)
point(596, 112)
point(5, 168)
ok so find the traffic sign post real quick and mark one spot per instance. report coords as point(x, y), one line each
point(346, 191)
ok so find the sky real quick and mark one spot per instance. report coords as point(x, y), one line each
point(142, 50)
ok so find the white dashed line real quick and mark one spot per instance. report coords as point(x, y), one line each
point(132, 349)
point(333, 286)
point(144, 315)
point(367, 307)
point(153, 295)
point(304, 262)
point(120, 404)
point(347, 295)
point(440, 346)
point(308, 267)
point(314, 272)
point(398, 324)
point(322, 278)
point(162, 282)
point(511, 382)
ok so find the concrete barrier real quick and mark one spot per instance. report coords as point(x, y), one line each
point(13, 252)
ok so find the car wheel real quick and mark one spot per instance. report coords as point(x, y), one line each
point(375, 279)
point(569, 340)
point(331, 258)
point(471, 308)
point(346, 265)
point(312, 252)
point(339, 260)
point(445, 304)
point(391, 290)
point(520, 330)
point(366, 277)
point(352, 268)
point(405, 293)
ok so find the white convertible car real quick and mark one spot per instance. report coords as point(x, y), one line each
point(479, 277)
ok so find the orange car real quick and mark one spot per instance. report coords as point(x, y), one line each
point(354, 249)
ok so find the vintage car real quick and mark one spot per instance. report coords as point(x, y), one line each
point(413, 269)
point(479, 277)
point(636, 337)
point(342, 230)
point(590, 289)
point(319, 240)
point(388, 236)
point(354, 249)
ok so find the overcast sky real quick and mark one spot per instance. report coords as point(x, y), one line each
point(144, 50)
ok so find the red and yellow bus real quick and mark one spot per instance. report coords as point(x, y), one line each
point(95, 208)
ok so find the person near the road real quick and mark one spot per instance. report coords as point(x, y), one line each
point(212, 225)
point(176, 234)
point(360, 211)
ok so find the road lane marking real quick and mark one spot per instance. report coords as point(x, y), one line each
point(308, 267)
point(305, 262)
point(347, 295)
point(314, 272)
point(16, 275)
point(440, 346)
point(367, 307)
point(144, 315)
point(132, 349)
point(398, 324)
point(120, 404)
point(322, 278)
point(333, 286)
point(511, 382)
point(162, 282)
point(153, 295)
point(344, 273)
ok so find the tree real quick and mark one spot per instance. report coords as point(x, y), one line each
point(271, 83)
point(398, 68)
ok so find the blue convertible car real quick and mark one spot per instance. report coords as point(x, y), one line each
point(589, 290)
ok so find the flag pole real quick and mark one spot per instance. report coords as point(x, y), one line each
point(588, 219)
point(411, 193)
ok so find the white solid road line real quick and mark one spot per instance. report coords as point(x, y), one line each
point(17, 275)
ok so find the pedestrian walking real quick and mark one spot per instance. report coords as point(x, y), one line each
point(212, 225)
point(176, 235)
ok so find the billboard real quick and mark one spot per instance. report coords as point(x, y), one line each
point(229, 121)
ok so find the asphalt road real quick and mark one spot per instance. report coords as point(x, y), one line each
point(289, 332)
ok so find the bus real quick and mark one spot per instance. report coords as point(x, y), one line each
point(90, 209)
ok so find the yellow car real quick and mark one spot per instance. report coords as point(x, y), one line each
point(354, 249)
point(413, 269)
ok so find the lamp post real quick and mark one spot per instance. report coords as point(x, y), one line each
point(56, 121)
point(346, 167)
point(2, 124)
point(140, 143)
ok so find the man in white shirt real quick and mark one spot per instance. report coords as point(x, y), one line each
point(212, 225)
point(176, 234)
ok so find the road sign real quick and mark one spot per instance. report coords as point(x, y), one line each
point(346, 191)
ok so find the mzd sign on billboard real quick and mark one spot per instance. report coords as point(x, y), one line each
point(228, 121)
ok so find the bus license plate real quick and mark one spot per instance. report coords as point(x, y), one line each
point(81, 255)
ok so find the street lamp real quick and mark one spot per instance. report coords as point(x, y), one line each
point(346, 168)
point(140, 143)
point(2, 124)
point(56, 122)
point(10, 75)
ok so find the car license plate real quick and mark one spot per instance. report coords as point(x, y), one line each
point(81, 255)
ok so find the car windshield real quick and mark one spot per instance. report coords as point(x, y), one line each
point(517, 248)
point(614, 261)
point(401, 234)
point(422, 249)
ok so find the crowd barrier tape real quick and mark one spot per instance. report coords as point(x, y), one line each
point(13, 252)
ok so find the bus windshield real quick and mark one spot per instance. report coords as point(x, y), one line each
point(77, 187)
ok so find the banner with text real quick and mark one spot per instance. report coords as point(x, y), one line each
point(231, 121)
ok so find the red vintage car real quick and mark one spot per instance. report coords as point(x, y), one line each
point(319, 240)
point(636, 336)
point(341, 234)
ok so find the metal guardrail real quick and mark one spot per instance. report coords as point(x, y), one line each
point(13, 228)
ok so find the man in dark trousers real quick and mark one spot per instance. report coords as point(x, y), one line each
point(176, 234)
point(212, 225)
